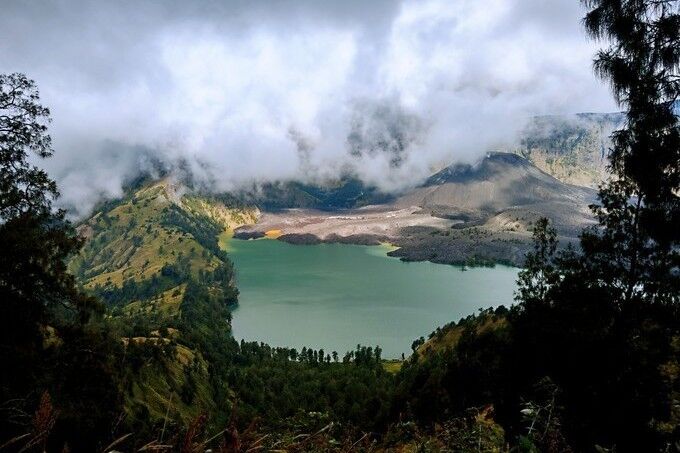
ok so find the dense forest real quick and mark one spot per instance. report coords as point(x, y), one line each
point(107, 346)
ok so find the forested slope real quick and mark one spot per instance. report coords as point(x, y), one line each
point(153, 258)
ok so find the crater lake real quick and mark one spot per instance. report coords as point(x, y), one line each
point(335, 296)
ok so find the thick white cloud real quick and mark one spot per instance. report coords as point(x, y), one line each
point(260, 90)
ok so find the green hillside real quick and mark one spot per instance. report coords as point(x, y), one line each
point(447, 337)
point(149, 256)
point(140, 236)
point(156, 259)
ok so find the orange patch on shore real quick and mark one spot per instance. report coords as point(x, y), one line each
point(273, 234)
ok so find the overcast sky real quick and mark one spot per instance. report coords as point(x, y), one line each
point(259, 90)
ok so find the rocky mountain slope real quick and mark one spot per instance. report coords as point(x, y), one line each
point(154, 258)
point(137, 247)
point(571, 148)
point(464, 214)
point(499, 183)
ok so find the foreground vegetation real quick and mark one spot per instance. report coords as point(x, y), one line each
point(138, 356)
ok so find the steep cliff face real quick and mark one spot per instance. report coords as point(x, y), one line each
point(574, 148)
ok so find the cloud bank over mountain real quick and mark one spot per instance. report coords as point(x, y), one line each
point(242, 91)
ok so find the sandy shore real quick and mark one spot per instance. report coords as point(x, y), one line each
point(379, 222)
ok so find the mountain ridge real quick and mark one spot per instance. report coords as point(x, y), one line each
point(149, 257)
point(464, 214)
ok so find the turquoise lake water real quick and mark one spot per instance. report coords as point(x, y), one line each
point(335, 296)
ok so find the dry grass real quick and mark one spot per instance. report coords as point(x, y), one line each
point(450, 336)
point(392, 366)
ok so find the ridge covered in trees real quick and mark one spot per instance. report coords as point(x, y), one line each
point(122, 341)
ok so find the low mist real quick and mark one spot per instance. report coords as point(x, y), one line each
point(237, 92)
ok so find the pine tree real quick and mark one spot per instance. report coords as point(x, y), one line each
point(604, 322)
point(637, 248)
point(47, 342)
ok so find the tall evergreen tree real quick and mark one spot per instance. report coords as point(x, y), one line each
point(604, 323)
point(637, 250)
point(47, 343)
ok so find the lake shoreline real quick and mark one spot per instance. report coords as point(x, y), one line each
point(335, 295)
point(397, 248)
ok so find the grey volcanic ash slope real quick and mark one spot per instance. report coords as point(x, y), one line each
point(495, 203)
point(499, 181)
point(463, 214)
